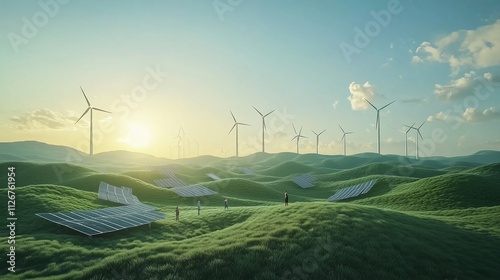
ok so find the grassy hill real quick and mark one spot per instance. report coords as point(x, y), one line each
point(421, 220)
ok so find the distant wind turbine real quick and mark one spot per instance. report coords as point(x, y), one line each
point(297, 136)
point(181, 139)
point(406, 138)
point(416, 141)
point(343, 137)
point(236, 124)
point(197, 148)
point(377, 122)
point(317, 139)
point(263, 124)
point(91, 109)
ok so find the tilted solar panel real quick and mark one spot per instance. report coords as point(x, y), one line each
point(193, 191)
point(352, 191)
point(93, 222)
point(304, 181)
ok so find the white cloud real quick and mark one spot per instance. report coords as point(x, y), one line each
point(458, 88)
point(444, 116)
point(45, 119)
point(470, 115)
point(361, 92)
point(492, 77)
point(479, 48)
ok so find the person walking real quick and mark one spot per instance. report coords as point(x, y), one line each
point(286, 198)
point(176, 213)
point(199, 207)
point(225, 204)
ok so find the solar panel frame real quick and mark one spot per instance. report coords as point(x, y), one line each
point(247, 171)
point(170, 182)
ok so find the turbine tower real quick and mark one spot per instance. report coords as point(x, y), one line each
point(317, 140)
point(236, 124)
point(263, 124)
point(406, 138)
point(416, 141)
point(377, 122)
point(343, 137)
point(181, 139)
point(91, 109)
point(297, 136)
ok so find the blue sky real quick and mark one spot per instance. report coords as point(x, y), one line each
point(162, 65)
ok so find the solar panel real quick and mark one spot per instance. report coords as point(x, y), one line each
point(94, 222)
point(193, 191)
point(171, 182)
point(247, 171)
point(120, 195)
point(352, 191)
point(213, 176)
point(304, 181)
point(168, 170)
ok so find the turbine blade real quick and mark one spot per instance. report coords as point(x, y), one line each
point(341, 129)
point(258, 111)
point(377, 122)
point(264, 124)
point(294, 130)
point(350, 132)
point(314, 132)
point(101, 110)
point(343, 136)
point(234, 125)
point(88, 102)
point(302, 136)
point(243, 123)
point(409, 127)
point(322, 132)
point(294, 137)
point(269, 113)
point(88, 108)
point(421, 125)
point(371, 104)
point(387, 105)
point(233, 116)
point(420, 135)
point(300, 131)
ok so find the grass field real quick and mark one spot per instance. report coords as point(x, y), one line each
point(422, 220)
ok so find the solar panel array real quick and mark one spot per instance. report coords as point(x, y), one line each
point(94, 222)
point(213, 176)
point(171, 182)
point(169, 170)
point(247, 171)
point(121, 195)
point(352, 191)
point(304, 181)
point(193, 191)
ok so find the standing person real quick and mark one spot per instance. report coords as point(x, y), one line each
point(286, 198)
point(199, 207)
point(176, 213)
point(225, 204)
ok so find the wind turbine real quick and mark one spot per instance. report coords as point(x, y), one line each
point(197, 148)
point(343, 136)
point(91, 109)
point(416, 141)
point(263, 124)
point(181, 139)
point(236, 124)
point(406, 138)
point(377, 122)
point(317, 140)
point(297, 136)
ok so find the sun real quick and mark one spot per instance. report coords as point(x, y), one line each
point(138, 136)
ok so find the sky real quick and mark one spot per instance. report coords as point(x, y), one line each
point(171, 72)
